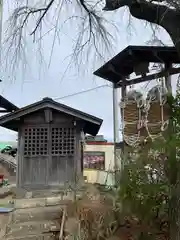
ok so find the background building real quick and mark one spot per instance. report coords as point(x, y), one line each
point(99, 160)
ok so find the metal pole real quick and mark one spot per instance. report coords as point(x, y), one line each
point(1, 24)
point(115, 114)
point(123, 94)
point(1, 27)
point(115, 128)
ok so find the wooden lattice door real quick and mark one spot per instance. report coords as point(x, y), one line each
point(49, 153)
point(36, 152)
point(61, 164)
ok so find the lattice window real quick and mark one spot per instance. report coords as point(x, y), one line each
point(36, 141)
point(63, 141)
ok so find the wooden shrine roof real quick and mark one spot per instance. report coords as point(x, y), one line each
point(122, 65)
point(92, 124)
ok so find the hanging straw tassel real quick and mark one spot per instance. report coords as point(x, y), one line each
point(157, 111)
point(131, 112)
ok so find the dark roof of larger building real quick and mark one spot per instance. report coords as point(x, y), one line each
point(124, 62)
point(92, 124)
point(7, 105)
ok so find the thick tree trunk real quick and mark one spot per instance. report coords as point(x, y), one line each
point(161, 15)
point(174, 32)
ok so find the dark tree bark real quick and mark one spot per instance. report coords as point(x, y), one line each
point(167, 18)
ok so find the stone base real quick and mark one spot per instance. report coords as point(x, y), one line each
point(4, 220)
point(49, 192)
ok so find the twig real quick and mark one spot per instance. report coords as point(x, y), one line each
point(62, 224)
point(42, 16)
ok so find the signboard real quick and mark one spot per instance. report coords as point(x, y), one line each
point(94, 160)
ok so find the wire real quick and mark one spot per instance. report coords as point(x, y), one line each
point(85, 91)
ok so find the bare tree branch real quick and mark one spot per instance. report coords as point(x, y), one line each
point(45, 10)
point(90, 21)
point(91, 24)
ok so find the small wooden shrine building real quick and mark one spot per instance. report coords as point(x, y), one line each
point(49, 143)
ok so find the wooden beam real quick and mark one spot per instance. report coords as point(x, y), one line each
point(153, 76)
point(48, 115)
point(4, 111)
point(112, 69)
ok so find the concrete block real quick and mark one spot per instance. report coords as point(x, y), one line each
point(29, 195)
point(53, 201)
point(47, 236)
point(32, 228)
point(4, 220)
point(37, 214)
point(18, 192)
point(4, 192)
point(6, 202)
point(30, 203)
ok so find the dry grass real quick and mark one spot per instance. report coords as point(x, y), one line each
point(91, 217)
point(96, 219)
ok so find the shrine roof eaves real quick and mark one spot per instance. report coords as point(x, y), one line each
point(91, 126)
point(124, 62)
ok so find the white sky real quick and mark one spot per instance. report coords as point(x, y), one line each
point(39, 80)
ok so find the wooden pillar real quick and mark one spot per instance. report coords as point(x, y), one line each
point(117, 159)
point(19, 163)
point(168, 78)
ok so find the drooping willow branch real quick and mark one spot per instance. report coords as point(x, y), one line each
point(45, 10)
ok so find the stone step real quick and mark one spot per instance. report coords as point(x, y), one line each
point(36, 214)
point(4, 221)
point(46, 236)
point(36, 202)
point(37, 227)
point(5, 191)
point(22, 193)
point(32, 228)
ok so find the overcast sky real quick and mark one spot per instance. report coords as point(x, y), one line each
point(39, 80)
